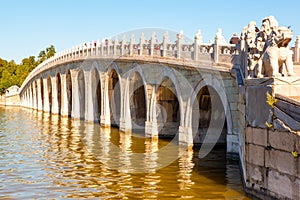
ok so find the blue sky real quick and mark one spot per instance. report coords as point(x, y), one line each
point(29, 26)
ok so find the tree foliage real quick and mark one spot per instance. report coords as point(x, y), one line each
point(14, 74)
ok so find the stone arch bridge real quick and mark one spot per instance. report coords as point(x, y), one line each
point(163, 88)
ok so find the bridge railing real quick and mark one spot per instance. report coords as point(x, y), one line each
point(214, 52)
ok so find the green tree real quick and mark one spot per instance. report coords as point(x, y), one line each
point(50, 51)
point(13, 74)
point(42, 56)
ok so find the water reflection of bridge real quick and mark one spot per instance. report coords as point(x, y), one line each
point(82, 154)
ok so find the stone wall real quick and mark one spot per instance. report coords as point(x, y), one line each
point(2, 100)
point(271, 169)
point(12, 100)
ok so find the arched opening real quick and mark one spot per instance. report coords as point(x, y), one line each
point(114, 93)
point(207, 112)
point(210, 131)
point(167, 109)
point(137, 103)
point(69, 92)
point(58, 90)
point(81, 94)
point(42, 92)
point(96, 95)
point(49, 86)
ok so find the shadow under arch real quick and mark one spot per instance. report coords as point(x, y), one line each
point(81, 94)
point(209, 99)
point(49, 87)
point(42, 92)
point(36, 98)
point(96, 94)
point(203, 105)
point(69, 91)
point(114, 94)
point(167, 109)
point(137, 101)
point(58, 91)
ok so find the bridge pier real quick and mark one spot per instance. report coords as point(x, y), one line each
point(151, 129)
point(75, 96)
point(34, 96)
point(185, 136)
point(89, 111)
point(40, 95)
point(55, 104)
point(125, 114)
point(64, 99)
point(46, 96)
point(105, 111)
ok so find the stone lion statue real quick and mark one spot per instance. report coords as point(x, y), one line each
point(268, 51)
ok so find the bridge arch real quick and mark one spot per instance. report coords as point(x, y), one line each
point(168, 104)
point(96, 93)
point(205, 89)
point(137, 97)
point(114, 95)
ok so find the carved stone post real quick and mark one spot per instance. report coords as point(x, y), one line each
point(101, 49)
point(115, 46)
point(244, 53)
point(108, 46)
point(141, 45)
point(123, 45)
point(297, 49)
point(179, 37)
point(97, 47)
point(131, 45)
point(152, 42)
point(216, 46)
point(165, 42)
point(197, 41)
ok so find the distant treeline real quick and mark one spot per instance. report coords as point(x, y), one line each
point(14, 74)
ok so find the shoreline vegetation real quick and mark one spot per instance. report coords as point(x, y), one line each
point(14, 74)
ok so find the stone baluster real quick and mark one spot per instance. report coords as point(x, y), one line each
point(80, 50)
point(297, 49)
point(123, 42)
point(165, 43)
point(197, 42)
point(216, 45)
point(179, 37)
point(101, 49)
point(152, 42)
point(244, 53)
point(97, 47)
point(141, 45)
point(131, 45)
point(74, 51)
point(108, 46)
point(115, 45)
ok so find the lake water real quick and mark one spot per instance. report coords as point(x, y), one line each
point(45, 156)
